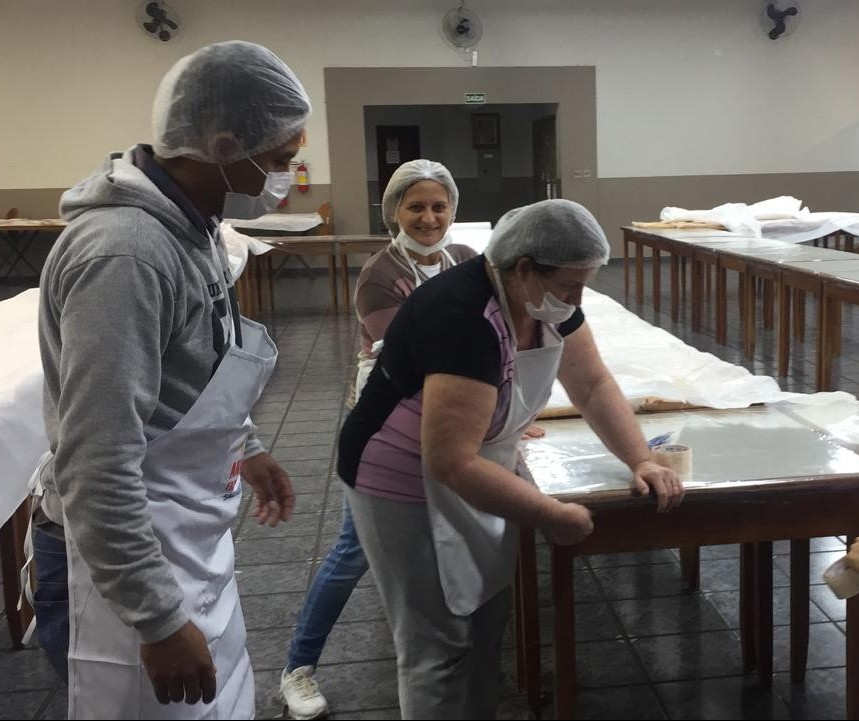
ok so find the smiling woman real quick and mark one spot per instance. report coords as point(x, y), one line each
point(419, 204)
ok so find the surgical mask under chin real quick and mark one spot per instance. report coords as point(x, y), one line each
point(405, 242)
point(551, 311)
point(248, 207)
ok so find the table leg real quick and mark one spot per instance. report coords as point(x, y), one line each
point(783, 302)
point(344, 280)
point(722, 305)
point(852, 657)
point(529, 616)
point(656, 259)
point(799, 314)
point(769, 311)
point(625, 266)
point(639, 273)
point(518, 631)
point(764, 611)
point(11, 562)
point(823, 350)
point(564, 597)
point(332, 281)
point(690, 567)
point(799, 579)
point(747, 299)
point(675, 288)
point(697, 293)
point(747, 606)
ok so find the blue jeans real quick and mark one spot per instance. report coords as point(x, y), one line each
point(334, 582)
point(51, 599)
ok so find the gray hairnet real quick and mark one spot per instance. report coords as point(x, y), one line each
point(406, 176)
point(226, 102)
point(550, 232)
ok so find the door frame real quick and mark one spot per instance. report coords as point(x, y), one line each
point(348, 90)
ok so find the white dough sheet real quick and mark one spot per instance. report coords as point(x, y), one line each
point(753, 446)
point(651, 364)
point(22, 430)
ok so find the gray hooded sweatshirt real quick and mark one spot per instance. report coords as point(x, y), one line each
point(129, 336)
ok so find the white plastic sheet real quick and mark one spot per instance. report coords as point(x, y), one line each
point(22, 430)
point(283, 222)
point(649, 363)
point(783, 218)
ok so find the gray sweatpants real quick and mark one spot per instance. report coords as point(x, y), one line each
point(448, 666)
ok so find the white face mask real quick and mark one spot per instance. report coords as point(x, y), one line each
point(248, 207)
point(405, 241)
point(551, 311)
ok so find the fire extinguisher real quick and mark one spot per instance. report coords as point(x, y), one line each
point(302, 177)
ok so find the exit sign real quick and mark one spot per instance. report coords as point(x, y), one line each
point(475, 98)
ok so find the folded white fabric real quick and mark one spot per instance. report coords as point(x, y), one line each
point(736, 217)
point(238, 245)
point(741, 218)
point(780, 208)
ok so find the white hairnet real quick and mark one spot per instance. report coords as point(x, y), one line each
point(226, 102)
point(406, 176)
point(551, 232)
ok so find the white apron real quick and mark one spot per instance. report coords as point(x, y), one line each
point(193, 484)
point(476, 551)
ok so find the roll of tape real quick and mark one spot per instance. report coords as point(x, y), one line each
point(676, 457)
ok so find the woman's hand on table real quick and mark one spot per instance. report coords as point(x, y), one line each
point(533, 431)
point(650, 477)
point(853, 555)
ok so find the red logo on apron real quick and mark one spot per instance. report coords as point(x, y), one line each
point(235, 472)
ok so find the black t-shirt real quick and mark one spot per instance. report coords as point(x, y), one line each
point(451, 324)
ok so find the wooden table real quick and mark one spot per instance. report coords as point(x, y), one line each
point(788, 271)
point(16, 237)
point(789, 482)
point(256, 287)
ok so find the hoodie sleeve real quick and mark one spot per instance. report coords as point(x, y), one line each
point(115, 318)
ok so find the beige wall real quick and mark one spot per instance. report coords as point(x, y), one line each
point(685, 89)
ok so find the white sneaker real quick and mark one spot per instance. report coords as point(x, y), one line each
point(301, 694)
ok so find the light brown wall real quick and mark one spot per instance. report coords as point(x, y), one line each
point(31, 202)
point(348, 90)
point(44, 202)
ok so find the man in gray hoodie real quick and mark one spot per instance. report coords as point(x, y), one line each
point(150, 374)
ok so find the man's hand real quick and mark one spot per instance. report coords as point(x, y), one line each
point(664, 481)
point(180, 667)
point(274, 498)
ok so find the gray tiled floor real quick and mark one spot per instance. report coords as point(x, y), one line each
point(647, 648)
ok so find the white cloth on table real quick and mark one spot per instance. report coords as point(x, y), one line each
point(22, 429)
point(649, 363)
point(783, 218)
point(475, 235)
point(283, 222)
point(238, 246)
point(739, 217)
